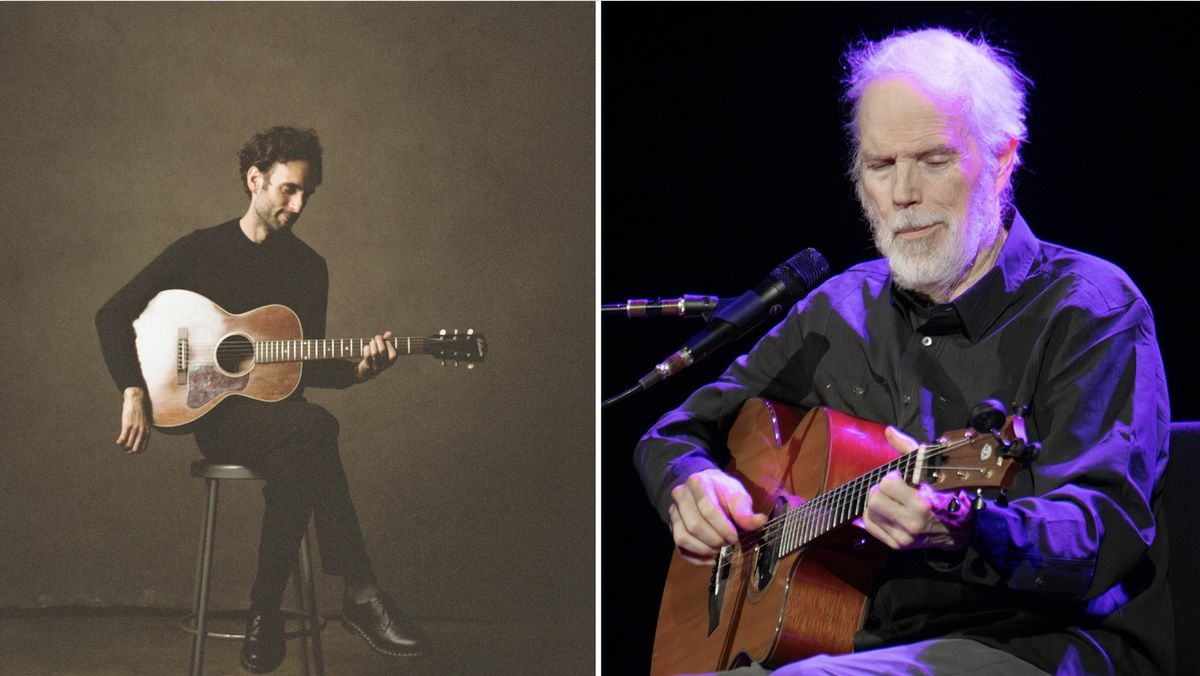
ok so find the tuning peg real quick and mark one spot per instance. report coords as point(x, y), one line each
point(1012, 449)
point(978, 504)
point(442, 333)
point(456, 364)
point(470, 366)
point(470, 332)
point(1032, 452)
point(1002, 499)
point(443, 362)
point(953, 506)
point(456, 332)
point(987, 416)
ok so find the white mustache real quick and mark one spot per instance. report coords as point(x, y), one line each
point(906, 221)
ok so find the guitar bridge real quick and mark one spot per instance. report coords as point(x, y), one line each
point(181, 357)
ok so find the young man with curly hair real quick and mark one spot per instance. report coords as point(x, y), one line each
point(241, 265)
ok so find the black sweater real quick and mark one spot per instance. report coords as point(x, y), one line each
point(223, 265)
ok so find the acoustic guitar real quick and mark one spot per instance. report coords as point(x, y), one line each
point(194, 354)
point(798, 586)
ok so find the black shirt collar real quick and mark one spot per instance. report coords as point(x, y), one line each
point(973, 312)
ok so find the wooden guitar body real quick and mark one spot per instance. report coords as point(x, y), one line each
point(815, 598)
point(194, 354)
point(180, 396)
point(798, 586)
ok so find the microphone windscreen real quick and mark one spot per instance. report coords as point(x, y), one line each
point(800, 273)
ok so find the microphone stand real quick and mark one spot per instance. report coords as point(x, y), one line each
point(686, 306)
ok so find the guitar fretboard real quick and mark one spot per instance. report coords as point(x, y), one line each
point(820, 515)
point(274, 351)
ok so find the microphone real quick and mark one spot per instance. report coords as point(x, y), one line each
point(688, 305)
point(786, 284)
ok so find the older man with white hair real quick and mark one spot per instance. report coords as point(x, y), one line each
point(967, 305)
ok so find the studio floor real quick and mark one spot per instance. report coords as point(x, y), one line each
point(136, 642)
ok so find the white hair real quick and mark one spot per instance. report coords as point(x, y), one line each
point(977, 78)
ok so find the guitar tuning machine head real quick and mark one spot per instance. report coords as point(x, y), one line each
point(470, 366)
point(470, 332)
point(442, 332)
point(456, 332)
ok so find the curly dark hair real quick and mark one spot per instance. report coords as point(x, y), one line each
point(280, 144)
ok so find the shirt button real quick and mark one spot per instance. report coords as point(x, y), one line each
point(1041, 580)
point(859, 389)
point(927, 341)
point(907, 400)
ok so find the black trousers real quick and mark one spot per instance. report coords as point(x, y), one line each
point(293, 444)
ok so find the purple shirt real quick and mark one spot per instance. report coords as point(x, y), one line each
point(1071, 571)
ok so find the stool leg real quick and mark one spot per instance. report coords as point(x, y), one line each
point(298, 584)
point(203, 574)
point(310, 592)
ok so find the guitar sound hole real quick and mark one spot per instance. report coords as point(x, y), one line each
point(235, 354)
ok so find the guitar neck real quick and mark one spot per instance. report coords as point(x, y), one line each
point(832, 509)
point(276, 351)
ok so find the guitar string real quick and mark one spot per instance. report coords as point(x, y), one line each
point(853, 488)
point(312, 347)
point(340, 342)
point(270, 356)
point(809, 522)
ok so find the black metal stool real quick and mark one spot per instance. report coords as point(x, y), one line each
point(197, 622)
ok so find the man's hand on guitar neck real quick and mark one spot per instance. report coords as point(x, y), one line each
point(378, 355)
point(701, 512)
point(903, 517)
point(135, 421)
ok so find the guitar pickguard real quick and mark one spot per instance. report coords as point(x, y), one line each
point(206, 383)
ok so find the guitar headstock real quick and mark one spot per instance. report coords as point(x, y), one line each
point(974, 458)
point(469, 348)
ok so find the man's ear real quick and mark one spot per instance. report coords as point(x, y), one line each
point(1007, 160)
point(254, 179)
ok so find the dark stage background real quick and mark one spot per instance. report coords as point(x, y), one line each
point(459, 192)
point(723, 154)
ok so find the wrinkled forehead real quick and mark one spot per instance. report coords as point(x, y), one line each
point(895, 114)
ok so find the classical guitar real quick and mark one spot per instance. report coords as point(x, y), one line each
point(194, 354)
point(798, 586)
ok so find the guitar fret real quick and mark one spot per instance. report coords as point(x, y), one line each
point(806, 531)
point(823, 522)
point(789, 531)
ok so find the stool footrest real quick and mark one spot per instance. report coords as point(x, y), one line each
point(188, 623)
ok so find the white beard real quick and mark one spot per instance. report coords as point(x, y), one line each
point(935, 264)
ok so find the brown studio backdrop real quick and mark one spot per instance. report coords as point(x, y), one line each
point(459, 192)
